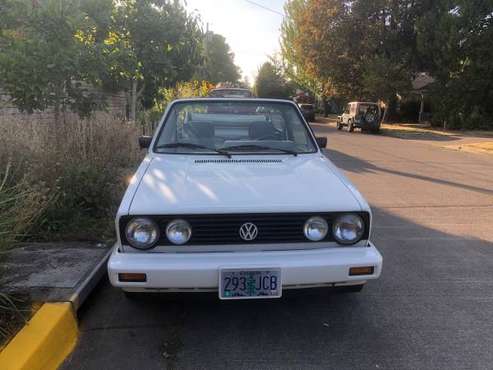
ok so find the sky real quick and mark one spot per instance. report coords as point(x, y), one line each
point(251, 31)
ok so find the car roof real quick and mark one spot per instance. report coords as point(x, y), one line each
point(363, 102)
point(239, 100)
point(230, 88)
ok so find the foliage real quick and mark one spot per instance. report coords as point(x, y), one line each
point(457, 38)
point(14, 312)
point(270, 82)
point(371, 49)
point(72, 176)
point(43, 63)
point(218, 61)
point(55, 51)
point(151, 44)
point(20, 206)
point(149, 119)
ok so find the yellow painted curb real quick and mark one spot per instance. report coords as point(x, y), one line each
point(46, 340)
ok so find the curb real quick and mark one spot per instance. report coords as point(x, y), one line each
point(90, 282)
point(46, 340)
point(51, 334)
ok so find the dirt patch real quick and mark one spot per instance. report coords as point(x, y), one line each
point(485, 147)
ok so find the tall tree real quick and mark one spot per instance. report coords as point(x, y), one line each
point(218, 60)
point(151, 44)
point(292, 51)
point(271, 84)
point(456, 40)
point(358, 49)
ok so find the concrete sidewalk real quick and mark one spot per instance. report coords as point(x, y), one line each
point(53, 272)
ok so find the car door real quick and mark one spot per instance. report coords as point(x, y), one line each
point(345, 115)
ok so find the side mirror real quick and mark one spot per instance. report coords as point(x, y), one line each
point(321, 141)
point(145, 142)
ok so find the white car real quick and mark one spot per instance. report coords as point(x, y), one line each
point(235, 196)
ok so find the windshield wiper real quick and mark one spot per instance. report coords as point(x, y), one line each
point(193, 146)
point(261, 147)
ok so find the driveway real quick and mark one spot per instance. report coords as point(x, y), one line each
point(432, 307)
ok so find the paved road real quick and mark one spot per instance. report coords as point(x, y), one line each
point(431, 309)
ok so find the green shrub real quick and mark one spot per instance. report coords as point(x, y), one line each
point(20, 206)
point(79, 167)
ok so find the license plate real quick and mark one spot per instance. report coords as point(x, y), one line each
point(250, 283)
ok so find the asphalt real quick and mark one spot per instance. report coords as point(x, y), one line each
point(432, 308)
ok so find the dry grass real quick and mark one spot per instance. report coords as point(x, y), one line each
point(485, 147)
point(68, 177)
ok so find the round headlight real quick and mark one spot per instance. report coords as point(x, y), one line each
point(142, 233)
point(316, 229)
point(348, 229)
point(178, 232)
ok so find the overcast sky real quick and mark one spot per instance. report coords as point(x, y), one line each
point(251, 31)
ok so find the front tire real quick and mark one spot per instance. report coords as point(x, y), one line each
point(339, 125)
point(350, 126)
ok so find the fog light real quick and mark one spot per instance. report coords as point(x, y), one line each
point(132, 277)
point(365, 270)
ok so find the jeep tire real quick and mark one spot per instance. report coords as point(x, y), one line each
point(350, 126)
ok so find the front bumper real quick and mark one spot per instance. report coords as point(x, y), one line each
point(200, 271)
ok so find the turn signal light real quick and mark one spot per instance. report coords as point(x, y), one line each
point(365, 270)
point(132, 277)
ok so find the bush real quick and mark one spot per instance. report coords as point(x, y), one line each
point(78, 167)
point(20, 205)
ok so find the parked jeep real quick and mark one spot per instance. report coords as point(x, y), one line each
point(364, 115)
point(236, 196)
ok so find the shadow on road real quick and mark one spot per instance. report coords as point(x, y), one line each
point(431, 307)
point(357, 165)
point(397, 133)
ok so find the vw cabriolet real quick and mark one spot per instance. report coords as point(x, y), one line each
point(236, 196)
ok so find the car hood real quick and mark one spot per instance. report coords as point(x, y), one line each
point(174, 184)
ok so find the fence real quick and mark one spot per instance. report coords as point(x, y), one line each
point(114, 103)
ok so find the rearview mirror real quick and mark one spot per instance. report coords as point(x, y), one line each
point(321, 141)
point(145, 142)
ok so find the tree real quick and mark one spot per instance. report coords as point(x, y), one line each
point(43, 61)
point(456, 41)
point(218, 60)
point(270, 83)
point(55, 51)
point(292, 52)
point(151, 44)
point(358, 49)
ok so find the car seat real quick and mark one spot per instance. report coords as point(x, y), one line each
point(261, 129)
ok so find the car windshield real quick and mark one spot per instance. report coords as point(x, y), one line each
point(231, 127)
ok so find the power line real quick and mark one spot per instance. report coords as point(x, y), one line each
point(265, 8)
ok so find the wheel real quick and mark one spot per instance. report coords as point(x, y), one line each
point(350, 126)
point(339, 125)
point(352, 288)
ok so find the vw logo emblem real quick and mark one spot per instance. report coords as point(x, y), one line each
point(248, 231)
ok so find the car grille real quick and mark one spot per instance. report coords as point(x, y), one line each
point(217, 229)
